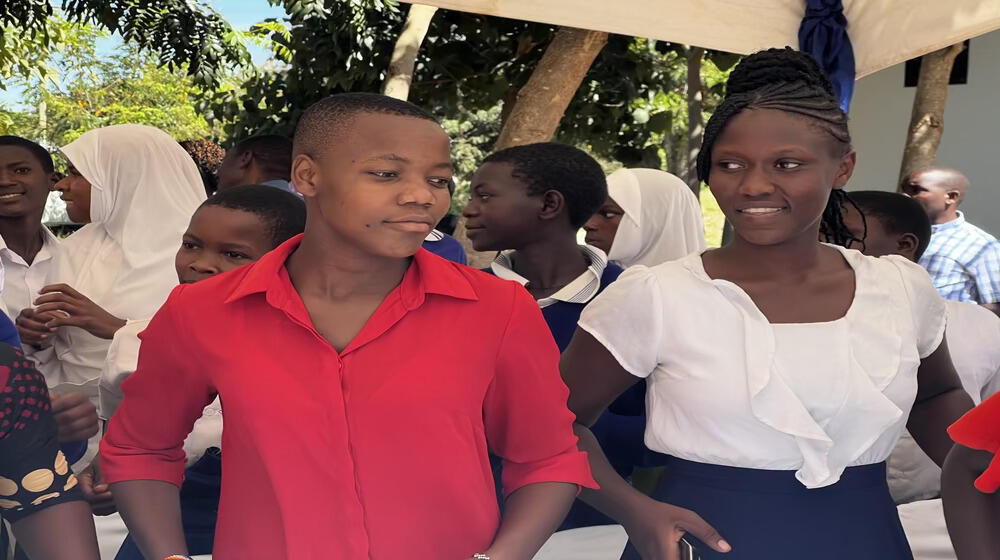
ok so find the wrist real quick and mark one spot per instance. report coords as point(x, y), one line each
point(113, 326)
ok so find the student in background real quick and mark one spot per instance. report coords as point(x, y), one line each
point(355, 353)
point(962, 259)
point(650, 217)
point(235, 227)
point(258, 160)
point(528, 202)
point(27, 175)
point(893, 224)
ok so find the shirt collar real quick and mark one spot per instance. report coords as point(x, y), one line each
point(427, 274)
point(48, 240)
point(956, 223)
point(581, 290)
point(434, 235)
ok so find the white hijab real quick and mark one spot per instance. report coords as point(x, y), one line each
point(144, 189)
point(662, 220)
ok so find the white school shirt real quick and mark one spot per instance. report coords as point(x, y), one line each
point(23, 281)
point(974, 343)
point(581, 289)
point(726, 387)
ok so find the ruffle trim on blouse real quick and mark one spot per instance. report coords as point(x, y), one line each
point(875, 336)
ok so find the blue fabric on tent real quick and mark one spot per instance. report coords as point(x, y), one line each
point(823, 34)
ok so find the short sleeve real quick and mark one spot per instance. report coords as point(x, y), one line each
point(34, 473)
point(985, 270)
point(627, 319)
point(927, 307)
point(528, 423)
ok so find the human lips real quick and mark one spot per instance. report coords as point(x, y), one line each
point(761, 210)
point(11, 195)
point(416, 224)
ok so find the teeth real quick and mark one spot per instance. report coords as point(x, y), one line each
point(760, 210)
point(12, 195)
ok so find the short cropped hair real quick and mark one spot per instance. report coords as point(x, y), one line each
point(897, 213)
point(282, 212)
point(41, 154)
point(272, 152)
point(327, 117)
point(570, 171)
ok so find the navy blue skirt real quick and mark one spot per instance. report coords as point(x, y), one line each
point(769, 515)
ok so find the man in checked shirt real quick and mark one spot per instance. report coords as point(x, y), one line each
point(962, 259)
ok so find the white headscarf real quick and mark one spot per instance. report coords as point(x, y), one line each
point(144, 189)
point(662, 220)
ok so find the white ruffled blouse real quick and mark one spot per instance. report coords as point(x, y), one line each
point(727, 387)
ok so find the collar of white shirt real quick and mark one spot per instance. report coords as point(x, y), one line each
point(49, 240)
point(581, 290)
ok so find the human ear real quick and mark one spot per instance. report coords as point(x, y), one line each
point(845, 169)
point(245, 159)
point(553, 203)
point(305, 175)
point(906, 245)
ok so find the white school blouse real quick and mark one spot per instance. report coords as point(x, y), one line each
point(726, 387)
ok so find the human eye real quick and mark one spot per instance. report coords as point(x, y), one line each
point(729, 165)
point(787, 164)
point(381, 174)
point(22, 170)
point(440, 182)
point(188, 245)
point(234, 255)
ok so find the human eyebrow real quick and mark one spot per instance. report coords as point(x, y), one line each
point(443, 165)
point(388, 157)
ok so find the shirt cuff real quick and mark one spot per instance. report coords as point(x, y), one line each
point(570, 467)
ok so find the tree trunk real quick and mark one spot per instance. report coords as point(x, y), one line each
point(404, 56)
point(552, 85)
point(696, 125)
point(927, 119)
point(543, 100)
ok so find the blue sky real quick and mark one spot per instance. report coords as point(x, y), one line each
point(241, 14)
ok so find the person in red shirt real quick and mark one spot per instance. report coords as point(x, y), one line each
point(363, 380)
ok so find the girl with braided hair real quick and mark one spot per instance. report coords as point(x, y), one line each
point(780, 370)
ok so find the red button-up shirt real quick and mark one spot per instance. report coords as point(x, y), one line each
point(379, 451)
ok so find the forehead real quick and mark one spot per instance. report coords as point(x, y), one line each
point(766, 129)
point(375, 134)
point(10, 154)
point(930, 180)
point(228, 225)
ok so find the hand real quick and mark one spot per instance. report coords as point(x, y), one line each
point(656, 530)
point(32, 327)
point(71, 308)
point(96, 490)
point(76, 417)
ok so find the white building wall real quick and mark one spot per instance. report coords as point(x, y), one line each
point(880, 114)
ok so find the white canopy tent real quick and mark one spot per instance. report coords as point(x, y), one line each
point(883, 32)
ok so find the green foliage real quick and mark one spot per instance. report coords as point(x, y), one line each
point(94, 91)
point(183, 33)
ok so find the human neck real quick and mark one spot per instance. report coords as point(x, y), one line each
point(945, 217)
point(322, 266)
point(549, 263)
point(789, 260)
point(23, 235)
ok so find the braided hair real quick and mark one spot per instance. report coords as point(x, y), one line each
point(792, 82)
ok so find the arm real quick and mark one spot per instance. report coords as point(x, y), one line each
point(142, 452)
point(528, 425)
point(940, 401)
point(76, 540)
point(152, 511)
point(971, 515)
point(531, 514)
point(595, 379)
